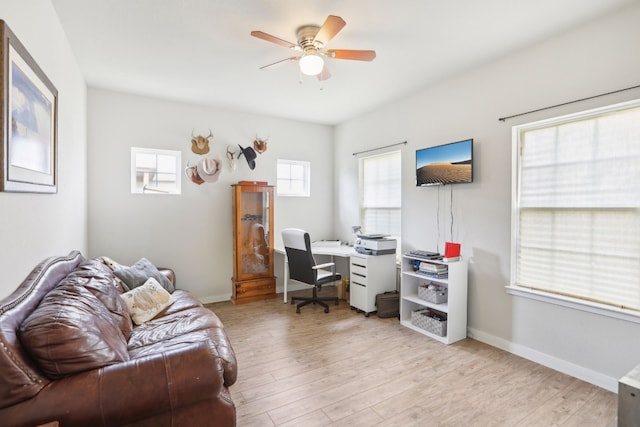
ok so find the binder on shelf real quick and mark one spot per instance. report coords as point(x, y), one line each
point(433, 270)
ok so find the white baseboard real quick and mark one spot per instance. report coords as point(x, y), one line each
point(580, 372)
point(226, 297)
point(215, 298)
point(292, 287)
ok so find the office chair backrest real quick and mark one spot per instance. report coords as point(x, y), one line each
point(297, 244)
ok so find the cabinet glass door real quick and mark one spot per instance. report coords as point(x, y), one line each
point(254, 233)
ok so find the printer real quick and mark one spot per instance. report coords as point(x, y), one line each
point(374, 245)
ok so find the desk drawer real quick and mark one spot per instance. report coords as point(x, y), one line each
point(359, 261)
point(358, 274)
point(358, 267)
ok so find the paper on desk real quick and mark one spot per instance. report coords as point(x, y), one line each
point(326, 243)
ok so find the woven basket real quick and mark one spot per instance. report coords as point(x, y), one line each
point(421, 319)
point(435, 296)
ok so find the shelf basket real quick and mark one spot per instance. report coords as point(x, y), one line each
point(421, 319)
point(435, 296)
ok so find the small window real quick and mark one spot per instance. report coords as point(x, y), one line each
point(293, 178)
point(155, 171)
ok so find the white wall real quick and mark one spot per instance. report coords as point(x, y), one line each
point(192, 232)
point(594, 59)
point(36, 226)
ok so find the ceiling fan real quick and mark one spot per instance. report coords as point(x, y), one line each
point(312, 41)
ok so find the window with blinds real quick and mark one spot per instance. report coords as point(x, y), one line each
point(380, 194)
point(577, 206)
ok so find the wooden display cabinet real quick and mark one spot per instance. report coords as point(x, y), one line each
point(253, 278)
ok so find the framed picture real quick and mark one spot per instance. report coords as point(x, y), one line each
point(29, 107)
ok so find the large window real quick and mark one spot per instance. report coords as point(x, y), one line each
point(380, 194)
point(576, 224)
point(155, 171)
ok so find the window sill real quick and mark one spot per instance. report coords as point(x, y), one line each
point(576, 304)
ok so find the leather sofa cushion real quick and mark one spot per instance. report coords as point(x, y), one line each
point(104, 287)
point(185, 321)
point(71, 331)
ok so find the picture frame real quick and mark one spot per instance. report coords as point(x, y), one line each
point(29, 123)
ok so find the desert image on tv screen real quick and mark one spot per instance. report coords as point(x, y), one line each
point(445, 164)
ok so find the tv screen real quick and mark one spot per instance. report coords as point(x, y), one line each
point(445, 164)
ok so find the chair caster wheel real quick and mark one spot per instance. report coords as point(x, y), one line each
point(326, 310)
point(337, 302)
point(298, 310)
point(366, 315)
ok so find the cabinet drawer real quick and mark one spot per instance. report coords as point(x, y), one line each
point(254, 288)
point(358, 268)
point(360, 262)
point(357, 279)
point(357, 271)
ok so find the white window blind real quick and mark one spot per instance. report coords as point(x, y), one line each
point(577, 206)
point(380, 195)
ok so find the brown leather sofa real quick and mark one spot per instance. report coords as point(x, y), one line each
point(103, 370)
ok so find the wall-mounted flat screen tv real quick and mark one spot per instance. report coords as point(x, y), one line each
point(445, 164)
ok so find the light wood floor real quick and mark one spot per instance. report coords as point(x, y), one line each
point(342, 369)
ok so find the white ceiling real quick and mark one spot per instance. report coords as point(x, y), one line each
point(201, 51)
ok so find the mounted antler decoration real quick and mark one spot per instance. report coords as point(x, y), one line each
point(233, 158)
point(200, 144)
point(260, 145)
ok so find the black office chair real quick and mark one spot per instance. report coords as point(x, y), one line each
point(303, 268)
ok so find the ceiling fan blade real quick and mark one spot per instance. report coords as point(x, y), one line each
point(273, 39)
point(324, 74)
point(358, 55)
point(332, 25)
point(282, 61)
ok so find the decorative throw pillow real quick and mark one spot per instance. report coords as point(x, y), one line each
point(139, 272)
point(146, 301)
point(113, 266)
point(71, 331)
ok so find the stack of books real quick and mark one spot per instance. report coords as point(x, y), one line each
point(437, 271)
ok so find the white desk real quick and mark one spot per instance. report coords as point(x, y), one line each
point(332, 251)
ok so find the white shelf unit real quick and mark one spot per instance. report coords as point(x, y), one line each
point(455, 307)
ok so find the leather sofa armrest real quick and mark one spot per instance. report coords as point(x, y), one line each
point(126, 392)
point(169, 274)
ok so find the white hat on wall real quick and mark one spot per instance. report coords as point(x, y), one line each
point(209, 169)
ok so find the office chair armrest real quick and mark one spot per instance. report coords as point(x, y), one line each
point(325, 265)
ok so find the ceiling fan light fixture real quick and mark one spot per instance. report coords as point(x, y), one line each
point(311, 49)
point(311, 64)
